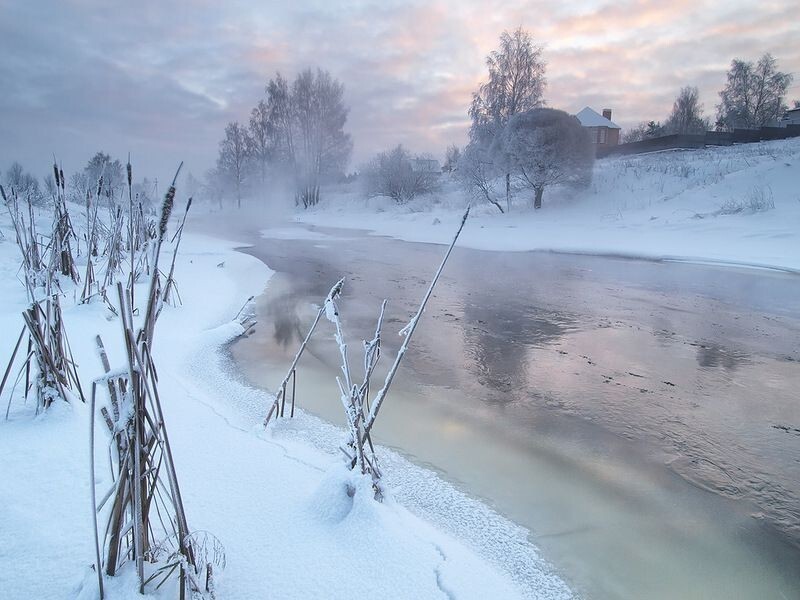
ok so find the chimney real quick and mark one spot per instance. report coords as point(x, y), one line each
point(607, 113)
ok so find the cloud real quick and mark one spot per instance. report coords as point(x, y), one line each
point(161, 79)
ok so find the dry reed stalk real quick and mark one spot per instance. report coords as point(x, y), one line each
point(146, 520)
point(360, 415)
point(170, 284)
point(48, 358)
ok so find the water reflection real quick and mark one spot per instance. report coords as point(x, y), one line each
point(712, 355)
point(286, 326)
point(498, 338)
point(598, 360)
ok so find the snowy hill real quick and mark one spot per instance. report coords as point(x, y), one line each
point(737, 204)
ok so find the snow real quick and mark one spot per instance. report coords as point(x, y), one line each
point(591, 118)
point(287, 233)
point(671, 205)
point(275, 498)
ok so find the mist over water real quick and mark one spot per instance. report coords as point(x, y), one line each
point(635, 416)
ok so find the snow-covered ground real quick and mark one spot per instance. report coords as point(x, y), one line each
point(694, 205)
point(276, 499)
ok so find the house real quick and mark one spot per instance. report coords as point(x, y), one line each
point(425, 165)
point(791, 117)
point(603, 132)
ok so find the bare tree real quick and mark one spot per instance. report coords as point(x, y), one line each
point(516, 84)
point(307, 121)
point(261, 139)
point(687, 113)
point(232, 164)
point(643, 131)
point(754, 95)
point(324, 147)
point(395, 175)
point(451, 157)
point(22, 183)
point(101, 165)
point(477, 170)
point(544, 147)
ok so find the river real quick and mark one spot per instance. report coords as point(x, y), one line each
point(640, 418)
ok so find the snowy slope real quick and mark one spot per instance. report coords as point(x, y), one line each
point(274, 498)
point(681, 205)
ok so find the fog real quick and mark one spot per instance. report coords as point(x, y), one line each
point(162, 79)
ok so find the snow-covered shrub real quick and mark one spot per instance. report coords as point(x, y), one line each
point(758, 199)
point(394, 174)
point(544, 147)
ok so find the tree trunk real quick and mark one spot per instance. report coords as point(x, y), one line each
point(537, 201)
point(508, 192)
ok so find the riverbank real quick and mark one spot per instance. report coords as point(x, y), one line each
point(274, 499)
point(736, 205)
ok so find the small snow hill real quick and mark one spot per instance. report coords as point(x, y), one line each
point(737, 204)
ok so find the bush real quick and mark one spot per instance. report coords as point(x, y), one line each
point(393, 174)
point(758, 199)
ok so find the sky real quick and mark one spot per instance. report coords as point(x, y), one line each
point(160, 79)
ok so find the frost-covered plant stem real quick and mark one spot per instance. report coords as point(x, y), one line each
point(408, 331)
point(280, 396)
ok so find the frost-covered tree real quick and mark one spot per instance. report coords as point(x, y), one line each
point(192, 185)
point(516, 84)
point(308, 118)
point(261, 139)
point(50, 189)
point(516, 80)
point(451, 157)
point(22, 183)
point(754, 94)
point(478, 172)
point(111, 171)
point(393, 174)
point(145, 193)
point(643, 131)
point(212, 189)
point(544, 147)
point(687, 113)
point(635, 134)
point(232, 163)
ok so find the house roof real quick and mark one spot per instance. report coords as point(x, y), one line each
point(591, 118)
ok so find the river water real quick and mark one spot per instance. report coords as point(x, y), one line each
point(640, 418)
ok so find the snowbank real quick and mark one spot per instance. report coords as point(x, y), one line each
point(274, 498)
point(695, 205)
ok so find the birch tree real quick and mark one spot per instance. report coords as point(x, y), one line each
point(754, 94)
point(261, 139)
point(516, 84)
point(687, 113)
point(233, 158)
point(308, 118)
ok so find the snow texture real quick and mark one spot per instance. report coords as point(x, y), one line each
point(294, 523)
point(591, 118)
point(687, 205)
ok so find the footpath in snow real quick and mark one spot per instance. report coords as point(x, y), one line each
point(736, 205)
point(275, 499)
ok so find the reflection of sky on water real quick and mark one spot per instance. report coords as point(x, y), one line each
point(551, 370)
